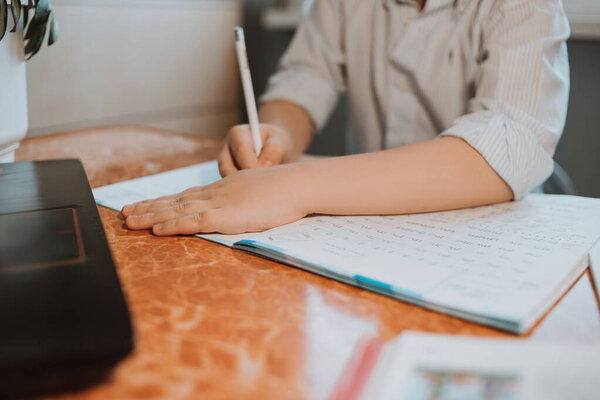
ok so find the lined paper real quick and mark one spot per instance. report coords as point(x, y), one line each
point(502, 265)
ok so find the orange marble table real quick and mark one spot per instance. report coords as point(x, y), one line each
point(215, 323)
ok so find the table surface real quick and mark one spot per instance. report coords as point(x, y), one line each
point(215, 323)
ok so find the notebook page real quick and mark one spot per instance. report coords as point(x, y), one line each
point(499, 261)
point(117, 195)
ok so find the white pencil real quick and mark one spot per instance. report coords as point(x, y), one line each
point(240, 45)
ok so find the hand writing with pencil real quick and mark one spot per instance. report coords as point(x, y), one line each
point(238, 153)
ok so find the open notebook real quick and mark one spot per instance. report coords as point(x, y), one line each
point(503, 265)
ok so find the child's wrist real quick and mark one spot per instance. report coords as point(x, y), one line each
point(298, 187)
point(307, 195)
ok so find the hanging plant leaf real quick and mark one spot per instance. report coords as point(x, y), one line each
point(53, 35)
point(37, 28)
point(15, 7)
point(34, 29)
point(3, 17)
point(41, 14)
point(26, 14)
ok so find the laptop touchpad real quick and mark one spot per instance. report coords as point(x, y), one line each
point(39, 239)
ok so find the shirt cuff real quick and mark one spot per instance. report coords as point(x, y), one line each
point(314, 94)
point(510, 148)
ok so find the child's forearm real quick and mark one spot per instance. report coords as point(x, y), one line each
point(291, 118)
point(440, 174)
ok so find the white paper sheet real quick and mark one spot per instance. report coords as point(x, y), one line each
point(424, 366)
point(117, 195)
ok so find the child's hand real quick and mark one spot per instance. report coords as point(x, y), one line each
point(238, 150)
point(249, 201)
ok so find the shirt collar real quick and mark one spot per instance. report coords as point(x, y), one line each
point(430, 5)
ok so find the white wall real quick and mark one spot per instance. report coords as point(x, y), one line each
point(164, 63)
point(584, 16)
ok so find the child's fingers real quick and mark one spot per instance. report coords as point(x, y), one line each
point(272, 153)
point(204, 221)
point(143, 208)
point(226, 164)
point(152, 218)
point(139, 207)
point(242, 148)
point(176, 201)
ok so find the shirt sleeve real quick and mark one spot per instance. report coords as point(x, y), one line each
point(310, 73)
point(519, 109)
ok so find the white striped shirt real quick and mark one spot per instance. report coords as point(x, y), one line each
point(493, 72)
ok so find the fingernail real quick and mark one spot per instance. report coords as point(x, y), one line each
point(266, 163)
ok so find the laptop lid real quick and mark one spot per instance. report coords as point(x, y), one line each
point(61, 304)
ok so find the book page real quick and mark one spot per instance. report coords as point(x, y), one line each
point(499, 261)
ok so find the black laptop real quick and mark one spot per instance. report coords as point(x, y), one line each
point(63, 317)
